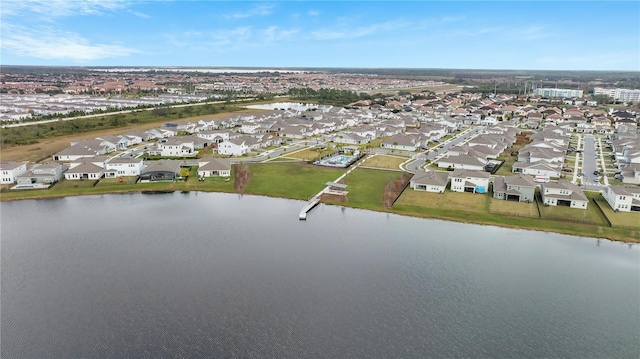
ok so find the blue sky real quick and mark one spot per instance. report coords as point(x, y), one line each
point(559, 35)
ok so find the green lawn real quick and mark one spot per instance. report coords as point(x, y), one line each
point(289, 180)
point(448, 201)
point(366, 186)
point(511, 208)
point(620, 219)
point(562, 213)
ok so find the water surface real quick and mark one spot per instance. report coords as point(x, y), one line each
point(221, 275)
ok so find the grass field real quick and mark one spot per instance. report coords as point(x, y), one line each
point(289, 180)
point(562, 213)
point(448, 201)
point(511, 208)
point(366, 187)
point(620, 219)
point(383, 161)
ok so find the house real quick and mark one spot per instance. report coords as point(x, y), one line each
point(631, 173)
point(42, 173)
point(401, 142)
point(462, 162)
point(118, 142)
point(536, 169)
point(463, 180)
point(214, 167)
point(84, 171)
point(178, 147)
point(623, 198)
point(430, 181)
point(563, 193)
point(11, 170)
point(162, 170)
point(236, 146)
point(519, 188)
point(121, 167)
point(351, 139)
point(84, 148)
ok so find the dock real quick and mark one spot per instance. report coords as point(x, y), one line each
point(331, 188)
point(312, 203)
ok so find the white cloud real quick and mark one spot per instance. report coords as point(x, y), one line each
point(139, 14)
point(48, 43)
point(345, 33)
point(61, 8)
point(258, 10)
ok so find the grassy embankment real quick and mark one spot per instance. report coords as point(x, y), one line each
point(108, 185)
point(366, 190)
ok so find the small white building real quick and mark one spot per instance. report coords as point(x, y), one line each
point(623, 198)
point(11, 170)
point(123, 167)
point(234, 147)
point(214, 167)
point(563, 193)
point(85, 171)
point(463, 180)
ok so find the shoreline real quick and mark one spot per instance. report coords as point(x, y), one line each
point(594, 230)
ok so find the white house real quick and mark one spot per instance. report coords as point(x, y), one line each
point(623, 198)
point(563, 193)
point(430, 181)
point(85, 171)
point(84, 148)
point(214, 167)
point(462, 162)
point(401, 142)
point(121, 167)
point(42, 173)
point(463, 180)
point(175, 147)
point(234, 147)
point(536, 169)
point(11, 170)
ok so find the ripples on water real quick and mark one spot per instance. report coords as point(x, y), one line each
point(216, 275)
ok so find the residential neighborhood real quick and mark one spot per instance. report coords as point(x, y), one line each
point(505, 147)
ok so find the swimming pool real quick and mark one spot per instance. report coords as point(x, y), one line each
point(338, 160)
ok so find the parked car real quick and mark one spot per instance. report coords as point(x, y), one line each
point(567, 170)
point(596, 172)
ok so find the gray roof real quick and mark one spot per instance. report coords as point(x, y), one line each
point(85, 168)
point(469, 173)
point(214, 164)
point(124, 160)
point(8, 166)
point(434, 178)
point(520, 180)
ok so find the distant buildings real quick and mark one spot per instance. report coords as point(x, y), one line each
point(554, 92)
point(618, 94)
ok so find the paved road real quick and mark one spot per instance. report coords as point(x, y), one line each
point(589, 164)
point(462, 137)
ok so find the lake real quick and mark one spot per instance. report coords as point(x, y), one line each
point(230, 276)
